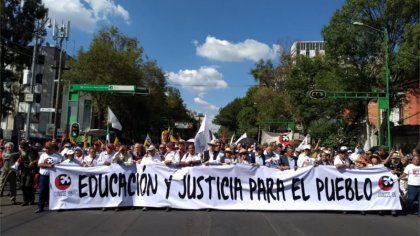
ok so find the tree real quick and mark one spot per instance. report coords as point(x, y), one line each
point(227, 116)
point(114, 58)
point(362, 49)
point(18, 21)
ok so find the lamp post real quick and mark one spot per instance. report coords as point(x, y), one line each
point(386, 105)
point(39, 32)
point(59, 33)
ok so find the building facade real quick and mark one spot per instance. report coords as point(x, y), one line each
point(307, 48)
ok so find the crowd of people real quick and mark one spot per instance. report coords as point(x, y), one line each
point(30, 164)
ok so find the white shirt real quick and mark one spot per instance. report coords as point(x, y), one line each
point(149, 159)
point(104, 156)
point(338, 161)
point(172, 156)
point(69, 162)
point(259, 160)
point(216, 161)
point(231, 160)
point(88, 160)
point(188, 157)
point(54, 158)
point(305, 160)
point(413, 173)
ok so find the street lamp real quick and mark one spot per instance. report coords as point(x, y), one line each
point(387, 105)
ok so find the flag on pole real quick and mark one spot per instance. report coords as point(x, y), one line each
point(303, 143)
point(116, 141)
point(85, 141)
point(165, 135)
point(203, 136)
point(223, 137)
point(240, 138)
point(112, 119)
point(231, 140)
point(147, 141)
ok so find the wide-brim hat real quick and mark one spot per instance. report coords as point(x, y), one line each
point(243, 150)
point(213, 142)
point(70, 152)
point(151, 148)
point(395, 155)
point(228, 150)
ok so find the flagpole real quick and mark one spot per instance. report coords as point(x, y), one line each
point(108, 139)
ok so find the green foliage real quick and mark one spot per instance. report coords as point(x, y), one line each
point(114, 58)
point(227, 116)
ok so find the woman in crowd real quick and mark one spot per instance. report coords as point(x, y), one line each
point(7, 173)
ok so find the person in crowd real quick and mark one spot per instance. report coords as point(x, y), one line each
point(105, 158)
point(324, 158)
point(272, 160)
point(67, 147)
point(90, 158)
point(46, 161)
point(382, 153)
point(228, 158)
point(8, 174)
point(122, 157)
point(70, 160)
point(78, 154)
point(341, 160)
point(375, 160)
point(182, 150)
point(29, 157)
point(305, 158)
point(257, 158)
point(211, 156)
point(412, 171)
point(162, 151)
point(150, 156)
point(243, 157)
point(191, 158)
point(393, 162)
point(288, 160)
point(171, 157)
point(137, 152)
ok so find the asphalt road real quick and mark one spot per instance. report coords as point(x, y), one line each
point(21, 220)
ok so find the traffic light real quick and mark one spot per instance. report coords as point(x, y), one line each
point(75, 128)
point(317, 94)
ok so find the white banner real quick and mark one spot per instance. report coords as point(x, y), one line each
point(232, 187)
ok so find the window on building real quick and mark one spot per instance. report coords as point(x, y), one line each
point(38, 78)
point(41, 60)
point(38, 98)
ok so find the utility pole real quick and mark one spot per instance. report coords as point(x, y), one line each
point(59, 33)
point(39, 32)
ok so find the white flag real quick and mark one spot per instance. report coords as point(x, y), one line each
point(112, 119)
point(231, 140)
point(202, 138)
point(303, 143)
point(242, 137)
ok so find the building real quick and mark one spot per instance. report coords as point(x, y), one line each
point(307, 48)
point(44, 96)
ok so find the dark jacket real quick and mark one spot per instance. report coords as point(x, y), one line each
point(251, 158)
point(284, 161)
point(207, 155)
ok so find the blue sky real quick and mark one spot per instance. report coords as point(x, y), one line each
point(206, 48)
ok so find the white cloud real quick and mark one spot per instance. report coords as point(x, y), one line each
point(223, 50)
point(205, 104)
point(200, 80)
point(85, 14)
